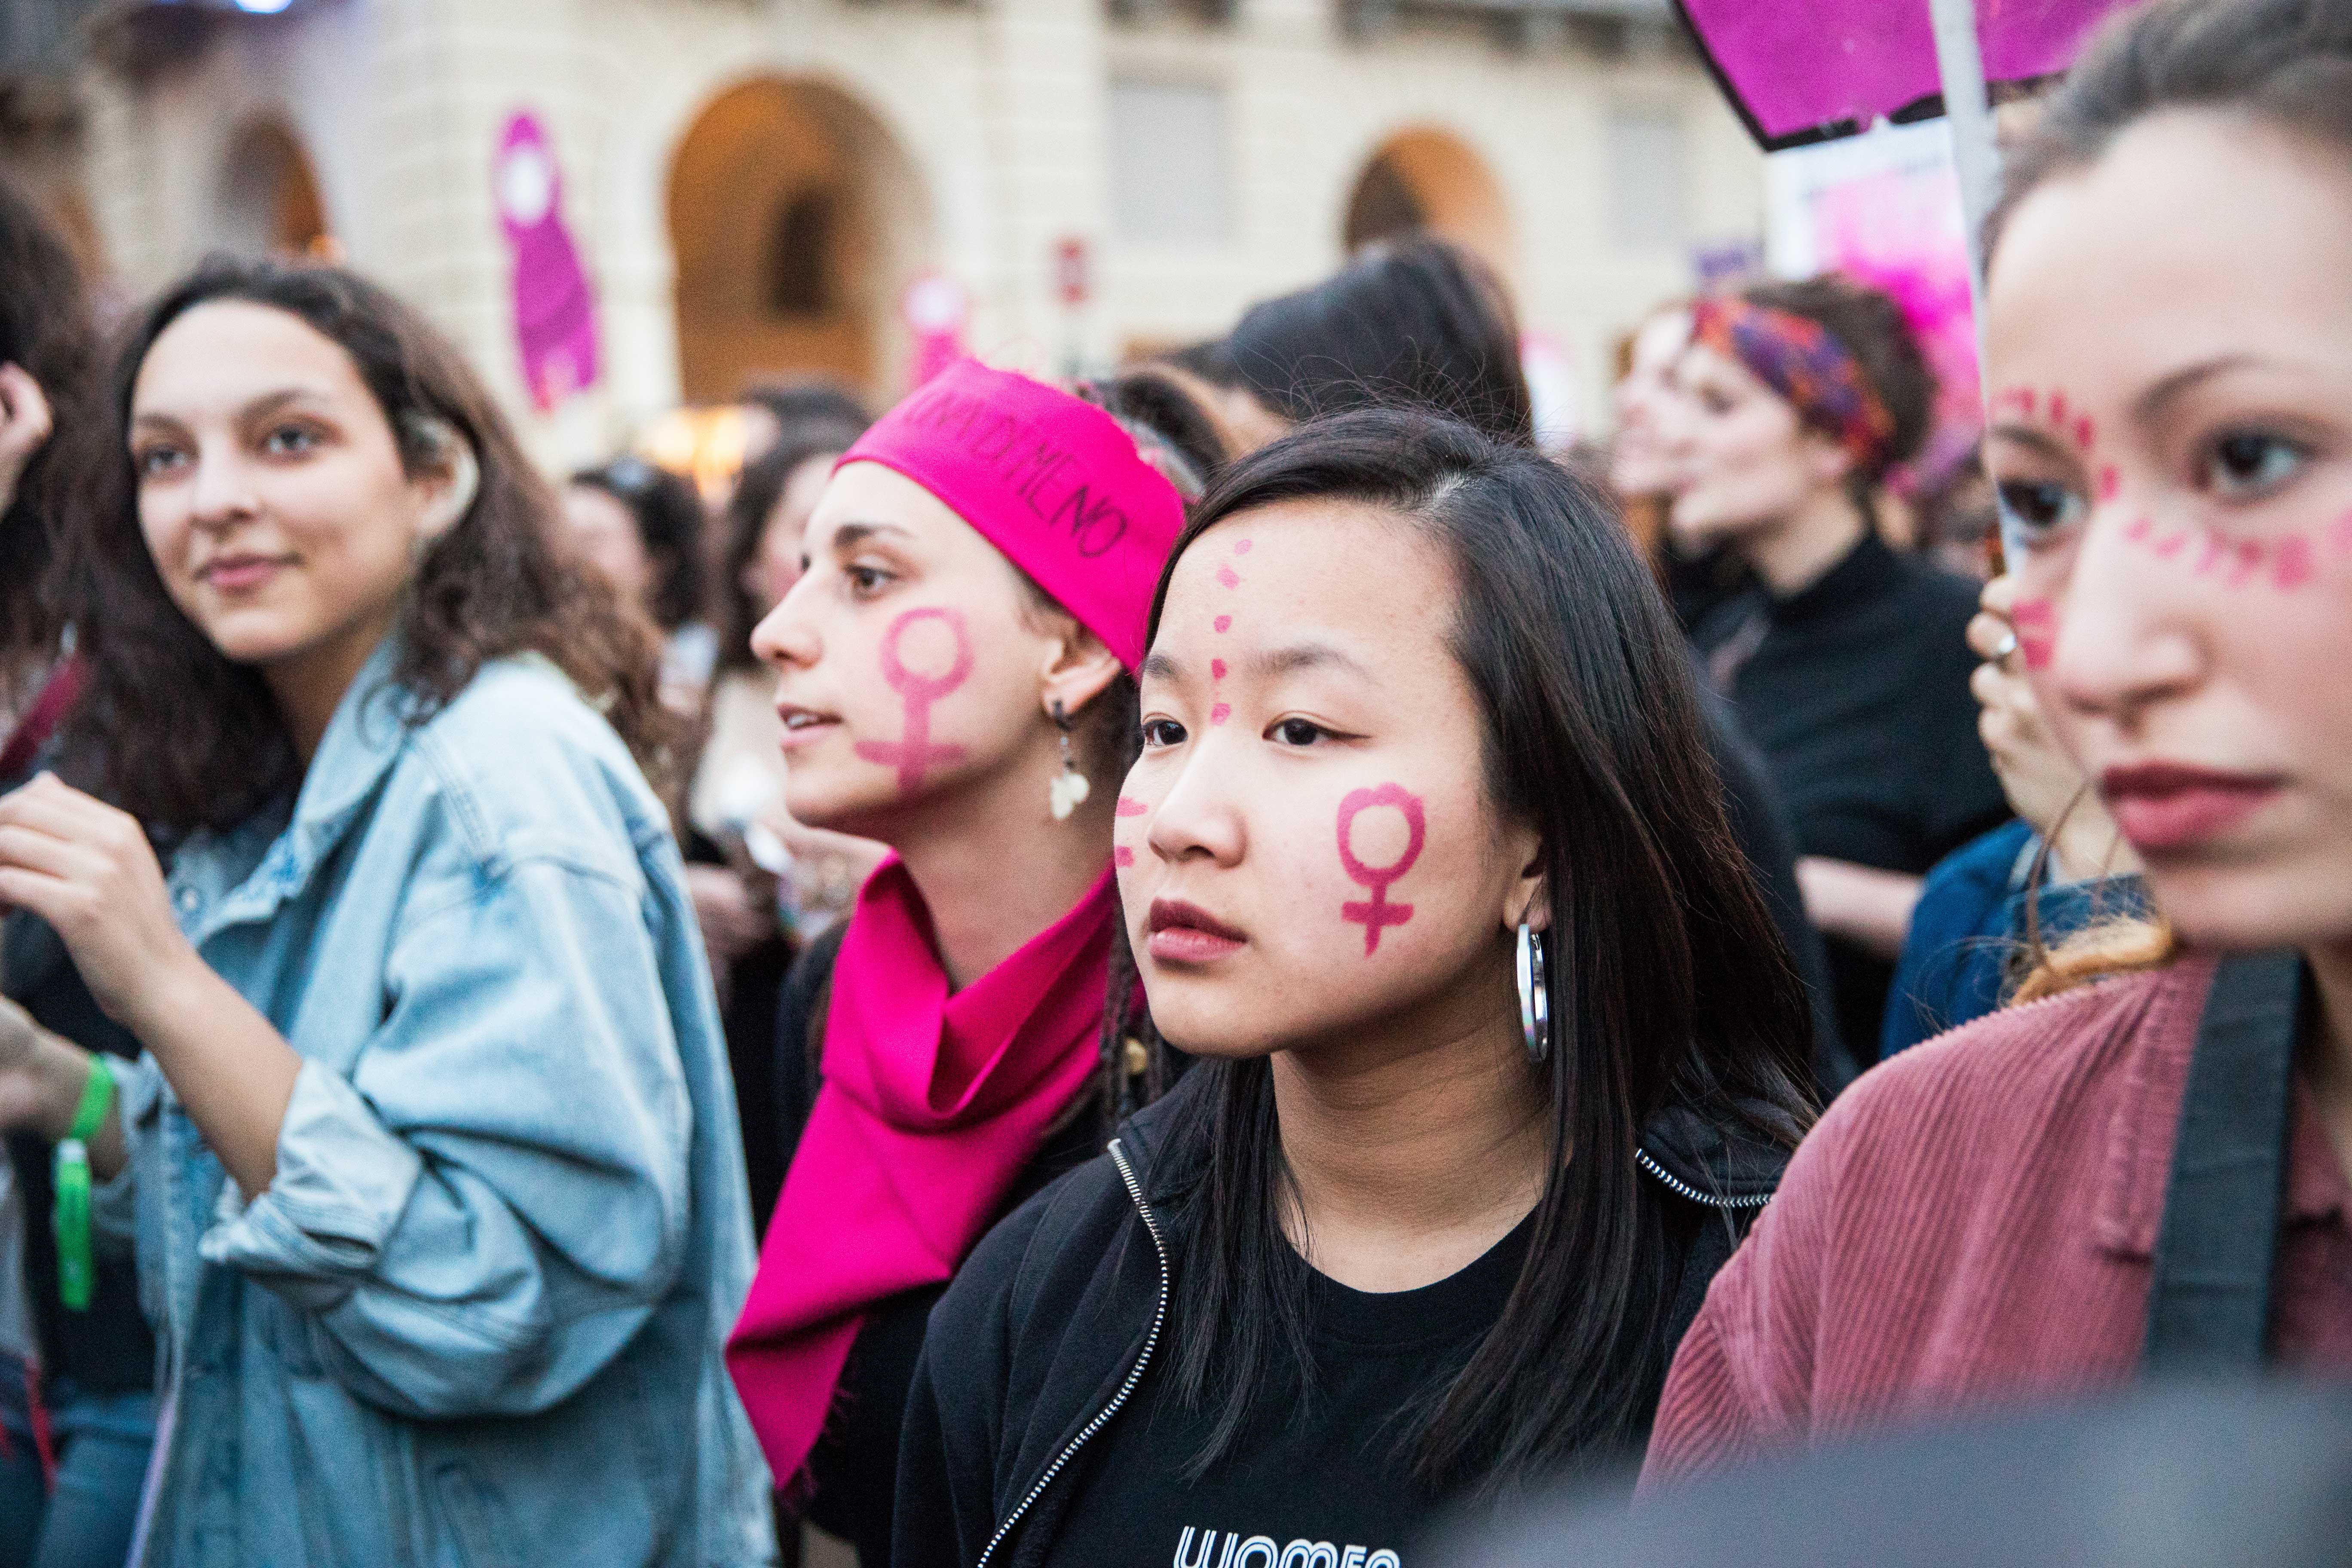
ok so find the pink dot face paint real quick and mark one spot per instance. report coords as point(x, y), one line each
point(1220, 712)
point(1228, 577)
point(913, 753)
point(2111, 483)
point(1122, 857)
point(1376, 913)
point(1224, 623)
point(2055, 412)
point(2294, 564)
point(2036, 623)
point(1241, 547)
point(1130, 807)
point(1216, 669)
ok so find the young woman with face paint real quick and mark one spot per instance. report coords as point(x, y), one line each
point(1409, 1229)
point(955, 673)
point(1424, 324)
point(432, 1157)
point(2148, 1173)
point(1847, 664)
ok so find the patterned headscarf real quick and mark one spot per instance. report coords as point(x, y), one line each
point(1804, 363)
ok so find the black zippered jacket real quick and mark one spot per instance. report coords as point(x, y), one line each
point(1050, 1326)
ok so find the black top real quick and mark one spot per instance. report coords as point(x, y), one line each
point(853, 1470)
point(1330, 1468)
point(1759, 823)
point(1065, 1305)
point(106, 1349)
point(1856, 690)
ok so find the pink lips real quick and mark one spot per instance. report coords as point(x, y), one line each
point(813, 727)
point(1187, 934)
point(241, 573)
point(2166, 806)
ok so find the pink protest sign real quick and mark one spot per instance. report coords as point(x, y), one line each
point(554, 305)
point(1797, 69)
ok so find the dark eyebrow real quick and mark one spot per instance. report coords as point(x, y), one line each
point(1162, 667)
point(2033, 435)
point(2149, 405)
point(850, 535)
point(1307, 656)
point(261, 407)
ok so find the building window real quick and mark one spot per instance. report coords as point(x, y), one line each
point(1170, 170)
point(1648, 180)
point(800, 255)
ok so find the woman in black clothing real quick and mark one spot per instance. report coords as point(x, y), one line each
point(1847, 664)
point(1405, 1232)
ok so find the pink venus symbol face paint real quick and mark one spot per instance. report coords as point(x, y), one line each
point(913, 755)
point(1376, 912)
point(2036, 622)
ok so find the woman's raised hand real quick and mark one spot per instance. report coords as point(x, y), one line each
point(24, 426)
point(88, 869)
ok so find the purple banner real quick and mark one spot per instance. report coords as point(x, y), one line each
point(1794, 69)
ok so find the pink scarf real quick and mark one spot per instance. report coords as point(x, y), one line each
point(931, 1106)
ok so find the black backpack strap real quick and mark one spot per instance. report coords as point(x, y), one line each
point(2209, 1305)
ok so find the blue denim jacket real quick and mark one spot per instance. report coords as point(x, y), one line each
point(476, 1319)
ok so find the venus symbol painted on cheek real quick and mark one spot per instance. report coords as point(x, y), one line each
point(1376, 912)
point(913, 755)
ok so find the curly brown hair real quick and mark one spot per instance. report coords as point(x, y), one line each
point(44, 328)
point(183, 737)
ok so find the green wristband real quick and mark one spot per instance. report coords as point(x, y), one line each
point(97, 1099)
point(77, 1270)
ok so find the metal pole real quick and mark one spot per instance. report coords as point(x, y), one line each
point(1960, 60)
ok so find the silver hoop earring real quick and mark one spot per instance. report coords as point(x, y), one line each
point(1535, 996)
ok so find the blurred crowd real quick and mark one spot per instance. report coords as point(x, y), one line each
point(1225, 963)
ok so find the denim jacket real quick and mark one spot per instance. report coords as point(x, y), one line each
point(476, 1318)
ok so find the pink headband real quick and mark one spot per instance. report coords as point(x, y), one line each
point(1053, 482)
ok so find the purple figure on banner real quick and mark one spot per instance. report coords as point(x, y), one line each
point(554, 308)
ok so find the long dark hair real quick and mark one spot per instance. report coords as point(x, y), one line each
point(667, 516)
point(183, 737)
point(1670, 982)
point(44, 328)
point(1418, 322)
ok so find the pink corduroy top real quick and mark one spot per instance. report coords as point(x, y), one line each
point(1974, 1222)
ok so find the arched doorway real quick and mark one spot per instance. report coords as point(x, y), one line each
point(795, 220)
point(269, 203)
point(1428, 181)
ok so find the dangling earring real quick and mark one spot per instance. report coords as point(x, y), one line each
point(1070, 787)
point(1535, 996)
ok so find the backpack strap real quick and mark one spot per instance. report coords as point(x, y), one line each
point(2209, 1304)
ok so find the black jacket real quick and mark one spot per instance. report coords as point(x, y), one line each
point(1049, 1327)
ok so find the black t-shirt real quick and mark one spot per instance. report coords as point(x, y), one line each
point(1321, 1482)
point(1856, 690)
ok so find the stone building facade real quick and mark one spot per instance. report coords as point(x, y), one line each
point(751, 186)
